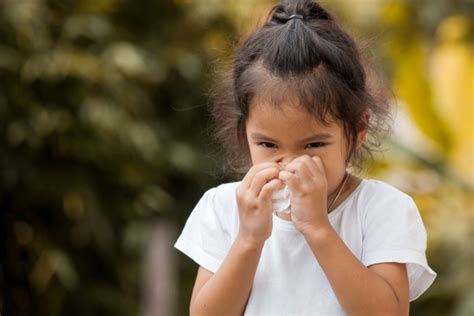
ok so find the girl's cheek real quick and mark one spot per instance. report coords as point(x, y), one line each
point(258, 157)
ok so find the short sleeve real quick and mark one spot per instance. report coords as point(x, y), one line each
point(393, 231)
point(206, 236)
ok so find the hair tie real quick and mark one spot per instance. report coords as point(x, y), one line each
point(295, 16)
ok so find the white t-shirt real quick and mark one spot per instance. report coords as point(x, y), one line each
point(377, 222)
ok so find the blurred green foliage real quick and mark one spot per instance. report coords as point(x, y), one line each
point(104, 131)
point(102, 109)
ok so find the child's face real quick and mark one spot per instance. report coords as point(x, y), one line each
point(285, 133)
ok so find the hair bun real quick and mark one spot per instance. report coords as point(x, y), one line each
point(316, 12)
point(304, 10)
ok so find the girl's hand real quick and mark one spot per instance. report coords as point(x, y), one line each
point(306, 179)
point(254, 201)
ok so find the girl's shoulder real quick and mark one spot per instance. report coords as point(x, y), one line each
point(373, 191)
point(224, 189)
point(380, 186)
point(221, 195)
point(229, 186)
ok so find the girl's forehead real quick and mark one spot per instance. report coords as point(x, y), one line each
point(286, 117)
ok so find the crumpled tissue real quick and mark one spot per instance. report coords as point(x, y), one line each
point(281, 200)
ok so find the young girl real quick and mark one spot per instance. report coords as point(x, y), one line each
point(296, 114)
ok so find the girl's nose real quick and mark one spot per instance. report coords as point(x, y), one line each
point(284, 160)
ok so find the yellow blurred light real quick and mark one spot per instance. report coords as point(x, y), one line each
point(453, 28)
point(452, 78)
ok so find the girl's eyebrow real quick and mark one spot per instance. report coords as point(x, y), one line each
point(261, 137)
point(319, 136)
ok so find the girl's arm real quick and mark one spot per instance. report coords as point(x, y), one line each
point(226, 292)
point(380, 289)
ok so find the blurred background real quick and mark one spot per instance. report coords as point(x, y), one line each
point(105, 142)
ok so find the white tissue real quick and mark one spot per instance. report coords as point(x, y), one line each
point(281, 200)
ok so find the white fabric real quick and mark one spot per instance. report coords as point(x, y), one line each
point(377, 222)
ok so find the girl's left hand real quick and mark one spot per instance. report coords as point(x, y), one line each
point(306, 179)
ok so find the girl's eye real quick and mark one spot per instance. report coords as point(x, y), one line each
point(267, 145)
point(315, 145)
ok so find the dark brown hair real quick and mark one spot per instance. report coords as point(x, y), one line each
point(302, 50)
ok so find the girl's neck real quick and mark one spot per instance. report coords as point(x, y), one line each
point(352, 183)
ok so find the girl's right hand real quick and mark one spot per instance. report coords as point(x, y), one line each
point(254, 202)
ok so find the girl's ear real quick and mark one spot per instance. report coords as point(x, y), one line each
point(362, 132)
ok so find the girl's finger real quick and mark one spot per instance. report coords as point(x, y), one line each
point(302, 171)
point(268, 189)
point(290, 179)
point(310, 164)
point(319, 164)
point(247, 180)
point(261, 178)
